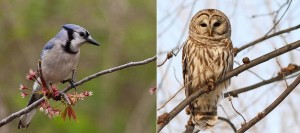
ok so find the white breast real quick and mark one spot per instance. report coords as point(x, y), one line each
point(57, 64)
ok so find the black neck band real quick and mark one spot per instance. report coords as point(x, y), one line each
point(67, 47)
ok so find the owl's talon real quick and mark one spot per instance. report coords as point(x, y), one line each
point(210, 84)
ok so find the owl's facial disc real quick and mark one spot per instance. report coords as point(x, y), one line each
point(211, 25)
point(218, 26)
point(202, 26)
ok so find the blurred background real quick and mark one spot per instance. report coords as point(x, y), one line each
point(249, 20)
point(125, 28)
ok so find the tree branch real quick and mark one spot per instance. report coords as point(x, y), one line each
point(232, 73)
point(37, 103)
point(229, 123)
point(272, 106)
point(130, 64)
point(267, 37)
point(279, 77)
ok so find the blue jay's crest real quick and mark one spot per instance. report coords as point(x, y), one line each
point(73, 27)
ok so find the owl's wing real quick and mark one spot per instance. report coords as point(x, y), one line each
point(230, 61)
point(184, 68)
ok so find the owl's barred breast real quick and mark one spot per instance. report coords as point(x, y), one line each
point(206, 61)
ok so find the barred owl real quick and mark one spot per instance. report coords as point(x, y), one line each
point(207, 56)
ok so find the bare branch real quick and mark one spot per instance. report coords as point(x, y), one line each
point(130, 64)
point(273, 12)
point(255, 74)
point(232, 73)
point(229, 123)
point(272, 106)
point(169, 55)
point(276, 23)
point(230, 100)
point(86, 79)
point(21, 112)
point(267, 37)
point(279, 77)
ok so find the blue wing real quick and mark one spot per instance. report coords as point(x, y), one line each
point(47, 47)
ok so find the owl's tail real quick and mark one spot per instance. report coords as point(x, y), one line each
point(25, 119)
point(204, 109)
point(205, 120)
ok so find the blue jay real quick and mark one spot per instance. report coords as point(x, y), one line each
point(59, 58)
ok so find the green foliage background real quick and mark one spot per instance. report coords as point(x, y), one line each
point(125, 28)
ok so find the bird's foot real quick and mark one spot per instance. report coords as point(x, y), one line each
point(210, 85)
point(71, 82)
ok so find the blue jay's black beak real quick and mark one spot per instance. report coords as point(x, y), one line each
point(92, 41)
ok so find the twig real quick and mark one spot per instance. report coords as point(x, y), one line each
point(267, 37)
point(224, 111)
point(271, 107)
point(169, 55)
point(232, 73)
point(169, 13)
point(230, 100)
point(255, 74)
point(235, 93)
point(44, 84)
point(176, 76)
point(185, 27)
point(130, 64)
point(21, 112)
point(289, 4)
point(278, 63)
point(181, 36)
point(273, 12)
point(229, 123)
point(86, 79)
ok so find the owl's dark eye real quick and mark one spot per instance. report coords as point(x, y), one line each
point(217, 24)
point(203, 25)
point(81, 34)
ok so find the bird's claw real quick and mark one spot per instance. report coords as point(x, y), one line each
point(71, 82)
point(210, 84)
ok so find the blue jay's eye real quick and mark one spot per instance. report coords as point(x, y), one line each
point(81, 34)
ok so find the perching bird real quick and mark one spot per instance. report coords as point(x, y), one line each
point(207, 56)
point(58, 60)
